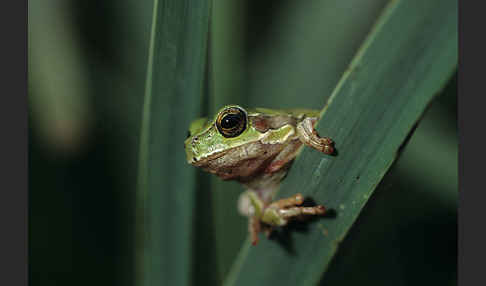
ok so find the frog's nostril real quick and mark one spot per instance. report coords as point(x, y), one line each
point(188, 134)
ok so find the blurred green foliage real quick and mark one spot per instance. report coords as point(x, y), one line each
point(87, 69)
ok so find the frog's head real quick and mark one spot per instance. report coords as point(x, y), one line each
point(212, 138)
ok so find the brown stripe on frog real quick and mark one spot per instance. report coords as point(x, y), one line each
point(264, 123)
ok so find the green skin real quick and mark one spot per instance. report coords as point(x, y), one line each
point(258, 157)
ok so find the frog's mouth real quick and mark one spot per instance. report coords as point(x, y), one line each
point(198, 160)
point(201, 161)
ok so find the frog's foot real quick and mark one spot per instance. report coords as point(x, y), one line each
point(280, 212)
point(277, 213)
point(308, 135)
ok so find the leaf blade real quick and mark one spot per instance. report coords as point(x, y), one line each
point(405, 60)
point(167, 185)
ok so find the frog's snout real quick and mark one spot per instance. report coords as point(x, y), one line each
point(190, 147)
point(194, 143)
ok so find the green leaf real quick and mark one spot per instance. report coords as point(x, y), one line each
point(266, 75)
point(403, 63)
point(167, 184)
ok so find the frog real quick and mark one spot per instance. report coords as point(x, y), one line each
point(256, 147)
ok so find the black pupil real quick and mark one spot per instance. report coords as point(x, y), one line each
point(230, 121)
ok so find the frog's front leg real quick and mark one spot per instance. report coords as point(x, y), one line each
point(277, 213)
point(308, 135)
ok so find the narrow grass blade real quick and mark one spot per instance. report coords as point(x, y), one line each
point(167, 184)
point(404, 62)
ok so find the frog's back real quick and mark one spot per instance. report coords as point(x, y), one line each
point(295, 112)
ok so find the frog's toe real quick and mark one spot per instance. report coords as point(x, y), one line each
point(294, 200)
point(281, 216)
point(302, 211)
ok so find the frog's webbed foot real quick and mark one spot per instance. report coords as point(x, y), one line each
point(280, 212)
point(265, 217)
point(308, 135)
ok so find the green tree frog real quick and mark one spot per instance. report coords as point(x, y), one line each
point(256, 148)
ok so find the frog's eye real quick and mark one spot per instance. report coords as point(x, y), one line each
point(231, 122)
